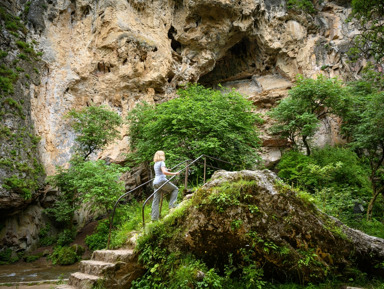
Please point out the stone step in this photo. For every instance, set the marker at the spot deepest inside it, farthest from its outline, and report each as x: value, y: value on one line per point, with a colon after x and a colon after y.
x: 65, y: 286
x: 113, y: 256
x: 93, y: 267
x: 82, y: 281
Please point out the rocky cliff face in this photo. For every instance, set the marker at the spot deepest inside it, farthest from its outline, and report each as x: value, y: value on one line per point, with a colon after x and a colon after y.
x: 120, y: 52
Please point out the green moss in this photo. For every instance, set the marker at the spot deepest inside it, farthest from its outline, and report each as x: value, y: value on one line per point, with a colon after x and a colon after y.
x: 15, y: 34
x: 5, y: 131
x: 19, y: 69
x: 3, y: 54
x: 22, y: 44
x: 13, y: 103
x: 6, y: 163
x: 23, y: 56
x: 27, y: 7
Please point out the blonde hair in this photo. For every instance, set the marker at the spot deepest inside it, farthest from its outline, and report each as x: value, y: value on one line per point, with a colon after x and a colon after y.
x: 159, y: 156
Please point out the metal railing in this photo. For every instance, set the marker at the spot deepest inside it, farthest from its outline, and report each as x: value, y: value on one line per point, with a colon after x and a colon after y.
x: 186, y: 168
x: 126, y: 194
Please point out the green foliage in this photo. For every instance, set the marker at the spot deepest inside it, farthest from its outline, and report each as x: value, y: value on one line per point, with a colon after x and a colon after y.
x: 90, y: 181
x: 327, y: 167
x: 6, y: 257
x: 362, y: 123
x: 66, y: 237
x: 7, y: 78
x: 298, y: 115
x: 32, y: 258
x: 98, y: 183
x: 200, y: 121
x: 370, y: 43
x: 65, y: 255
x: 21, y: 186
x: 95, y: 126
x: 303, y: 5
x: 98, y: 240
x: 45, y: 236
x: 336, y: 177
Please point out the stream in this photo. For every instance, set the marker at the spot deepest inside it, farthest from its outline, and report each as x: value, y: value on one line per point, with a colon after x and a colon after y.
x: 31, y: 272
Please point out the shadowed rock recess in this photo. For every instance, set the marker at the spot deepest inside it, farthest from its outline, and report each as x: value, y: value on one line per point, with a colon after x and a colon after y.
x: 251, y: 217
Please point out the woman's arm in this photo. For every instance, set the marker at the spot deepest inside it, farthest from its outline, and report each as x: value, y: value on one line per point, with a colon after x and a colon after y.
x: 165, y: 172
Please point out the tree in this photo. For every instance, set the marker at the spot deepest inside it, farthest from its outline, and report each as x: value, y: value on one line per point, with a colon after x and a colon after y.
x: 299, y: 114
x: 94, y: 182
x: 366, y: 131
x: 95, y: 126
x: 200, y: 121
x: 370, y: 16
x: 89, y: 181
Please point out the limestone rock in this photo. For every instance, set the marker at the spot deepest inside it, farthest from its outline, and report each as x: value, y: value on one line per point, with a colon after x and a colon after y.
x: 121, y: 52
x: 247, y: 214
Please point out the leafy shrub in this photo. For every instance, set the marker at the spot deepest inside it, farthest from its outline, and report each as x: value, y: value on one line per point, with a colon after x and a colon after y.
x: 66, y: 237
x: 304, y: 5
x: 32, y: 258
x: 45, y: 236
x: 326, y: 167
x: 99, y: 239
x: 353, y: 172
x: 7, y: 257
x: 65, y: 255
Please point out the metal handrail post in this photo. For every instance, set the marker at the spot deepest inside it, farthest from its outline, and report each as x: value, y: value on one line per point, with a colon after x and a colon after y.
x: 205, y: 168
x: 186, y: 178
x: 115, y: 206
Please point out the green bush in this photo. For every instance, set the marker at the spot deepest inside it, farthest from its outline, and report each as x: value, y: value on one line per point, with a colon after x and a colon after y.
x: 99, y: 239
x: 65, y: 255
x: 200, y: 121
x: 327, y: 167
x: 6, y: 257
x: 45, y: 236
x: 304, y: 5
x: 336, y: 177
x: 66, y: 237
x: 32, y: 258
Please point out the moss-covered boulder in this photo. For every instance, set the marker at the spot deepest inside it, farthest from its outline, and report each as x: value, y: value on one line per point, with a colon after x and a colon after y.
x: 249, y: 226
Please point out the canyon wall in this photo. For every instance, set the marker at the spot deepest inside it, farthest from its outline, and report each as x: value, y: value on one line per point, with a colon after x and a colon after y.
x: 121, y: 52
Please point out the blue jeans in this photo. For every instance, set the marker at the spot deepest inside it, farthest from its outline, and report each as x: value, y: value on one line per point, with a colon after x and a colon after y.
x: 167, y: 188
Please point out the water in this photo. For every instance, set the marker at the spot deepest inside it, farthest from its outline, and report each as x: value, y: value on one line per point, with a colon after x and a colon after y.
x: 29, y: 272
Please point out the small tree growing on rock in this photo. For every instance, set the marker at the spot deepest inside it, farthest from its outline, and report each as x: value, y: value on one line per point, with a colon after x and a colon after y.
x: 89, y: 181
x: 95, y: 126
x: 299, y: 115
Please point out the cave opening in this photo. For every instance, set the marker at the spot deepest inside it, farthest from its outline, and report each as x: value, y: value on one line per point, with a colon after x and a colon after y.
x: 176, y: 45
x: 241, y: 61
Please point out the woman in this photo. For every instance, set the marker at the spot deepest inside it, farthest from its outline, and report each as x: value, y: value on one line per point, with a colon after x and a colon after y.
x: 160, y: 173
